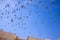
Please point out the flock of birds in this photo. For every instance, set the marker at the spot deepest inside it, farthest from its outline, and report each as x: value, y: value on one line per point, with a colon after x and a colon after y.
x: 13, y: 12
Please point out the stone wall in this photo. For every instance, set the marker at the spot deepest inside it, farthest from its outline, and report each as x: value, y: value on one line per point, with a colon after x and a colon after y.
x: 10, y: 36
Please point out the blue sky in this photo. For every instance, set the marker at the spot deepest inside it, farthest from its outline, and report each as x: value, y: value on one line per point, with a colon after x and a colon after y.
x: 36, y: 18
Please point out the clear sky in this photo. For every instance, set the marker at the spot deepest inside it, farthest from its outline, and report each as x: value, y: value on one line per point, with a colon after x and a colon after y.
x: 36, y: 18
